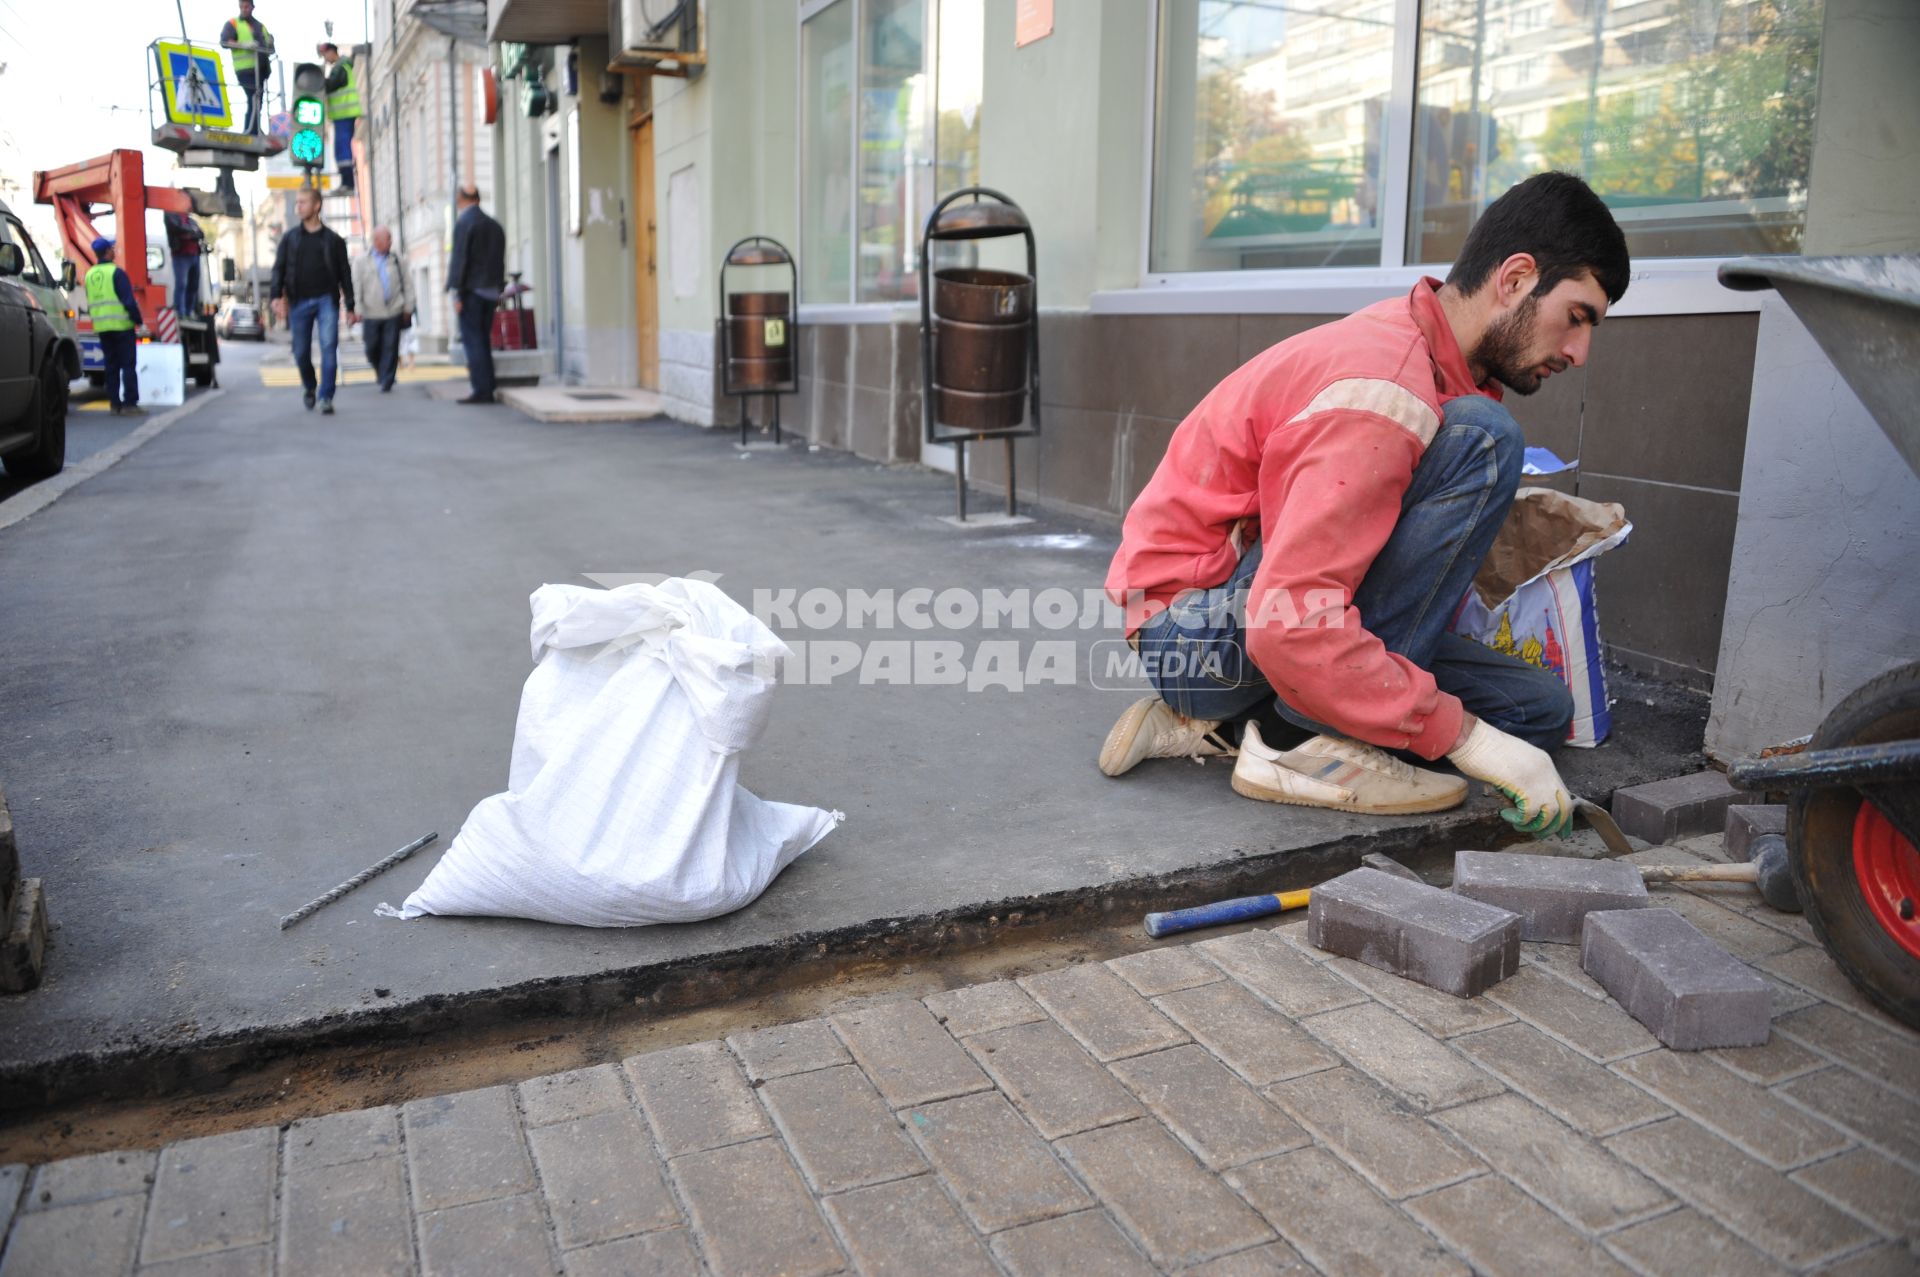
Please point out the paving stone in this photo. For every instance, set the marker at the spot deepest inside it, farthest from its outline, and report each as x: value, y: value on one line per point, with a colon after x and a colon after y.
x: 1153, y: 972
x: 75, y: 1241
x: 1869, y: 1112
x: 663, y: 1254
x: 1447, y: 942
x: 505, y: 1235
x: 1103, y: 1011
x: 13, y: 1182
x: 1791, y: 924
x: 840, y: 1130
x: 1781, y: 1058
x: 1561, y: 1080
x: 1504, y: 1232
x: 752, y: 1213
x: 1421, y: 1071
x: 601, y: 1178
x: 1398, y: 1151
x: 346, y: 1219
x: 1664, y: 811
x: 1552, y: 894
x: 1759, y: 1122
x: 1687, y: 1242
x: 211, y: 1194
x: 248, y: 1261
x: 1882, y: 1192
x: 1440, y: 1014
x: 1085, y: 1243
x: 789, y: 1048
x: 899, y: 1228
x: 1275, y: 1259
x: 85, y: 1179
x: 1279, y: 972
x: 566, y: 1097
x: 1154, y: 1187
x: 1257, y: 1042
x: 1563, y: 962
x: 1731, y: 930
x: 1060, y: 1088
x: 1813, y: 971
x: 907, y: 1054
x: 1218, y: 1116
x: 465, y: 1148
x: 1688, y: 990
x: 1740, y: 1192
x: 1747, y: 821
x: 695, y: 1098
x: 1570, y: 1173
x: 1894, y: 1260
x: 999, y: 1170
x: 338, y: 1138
x: 1890, y: 1057
x: 1599, y: 1030
x: 980, y: 1007
x: 1337, y: 1223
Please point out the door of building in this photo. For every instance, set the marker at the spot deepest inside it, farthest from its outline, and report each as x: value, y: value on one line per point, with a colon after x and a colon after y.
x: 646, y: 287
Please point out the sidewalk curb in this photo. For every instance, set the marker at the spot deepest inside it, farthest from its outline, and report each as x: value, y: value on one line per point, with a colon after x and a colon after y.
x: 45, y: 493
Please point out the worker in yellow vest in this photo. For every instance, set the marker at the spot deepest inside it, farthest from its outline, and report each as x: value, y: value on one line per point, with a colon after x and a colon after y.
x: 343, y: 108
x: 252, y: 46
x: 115, y: 313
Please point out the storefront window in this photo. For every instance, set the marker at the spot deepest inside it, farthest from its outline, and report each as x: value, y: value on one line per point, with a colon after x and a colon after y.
x: 896, y: 145
x: 826, y: 236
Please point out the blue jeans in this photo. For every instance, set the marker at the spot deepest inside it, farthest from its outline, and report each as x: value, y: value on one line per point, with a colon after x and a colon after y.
x: 186, y: 286
x: 123, y: 374
x: 1449, y: 517
x: 300, y: 318
x: 343, y: 151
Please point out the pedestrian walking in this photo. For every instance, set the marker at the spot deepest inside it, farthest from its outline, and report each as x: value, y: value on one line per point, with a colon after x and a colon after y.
x: 115, y: 313
x: 252, y: 47
x: 343, y: 108
x: 311, y: 282
x: 386, y: 305
x: 475, y: 276
x: 185, y: 245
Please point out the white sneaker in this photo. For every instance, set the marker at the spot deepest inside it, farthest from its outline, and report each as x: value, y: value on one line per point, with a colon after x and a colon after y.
x: 1332, y: 771
x: 1151, y: 729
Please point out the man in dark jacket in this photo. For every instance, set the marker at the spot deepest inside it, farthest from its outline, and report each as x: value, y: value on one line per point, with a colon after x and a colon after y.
x: 475, y: 276
x: 310, y: 278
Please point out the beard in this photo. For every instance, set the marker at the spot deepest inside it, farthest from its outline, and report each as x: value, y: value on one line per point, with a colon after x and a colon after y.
x: 1503, y: 349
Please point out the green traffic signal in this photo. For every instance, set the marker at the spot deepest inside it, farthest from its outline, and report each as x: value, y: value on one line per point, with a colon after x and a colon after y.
x: 308, y: 148
x: 311, y: 112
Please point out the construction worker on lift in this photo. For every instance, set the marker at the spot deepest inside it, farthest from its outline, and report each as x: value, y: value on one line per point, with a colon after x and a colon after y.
x: 115, y: 314
x: 252, y: 46
x: 343, y: 108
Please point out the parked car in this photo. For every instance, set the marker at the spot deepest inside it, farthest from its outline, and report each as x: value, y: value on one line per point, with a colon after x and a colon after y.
x: 38, y: 356
x: 238, y: 321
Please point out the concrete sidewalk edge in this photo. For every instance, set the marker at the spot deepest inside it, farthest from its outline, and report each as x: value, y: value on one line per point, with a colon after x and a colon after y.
x: 43, y: 494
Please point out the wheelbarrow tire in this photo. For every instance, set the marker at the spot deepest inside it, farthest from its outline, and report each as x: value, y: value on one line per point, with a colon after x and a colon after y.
x: 1820, y: 848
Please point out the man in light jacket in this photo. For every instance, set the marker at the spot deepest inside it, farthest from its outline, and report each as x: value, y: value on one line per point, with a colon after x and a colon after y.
x: 386, y: 303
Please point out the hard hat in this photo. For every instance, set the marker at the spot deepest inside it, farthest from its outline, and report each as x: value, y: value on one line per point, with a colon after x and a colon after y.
x: 102, y: 244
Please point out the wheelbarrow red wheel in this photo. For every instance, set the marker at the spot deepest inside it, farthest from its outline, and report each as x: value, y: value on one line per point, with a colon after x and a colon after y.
x: 1858, y: 877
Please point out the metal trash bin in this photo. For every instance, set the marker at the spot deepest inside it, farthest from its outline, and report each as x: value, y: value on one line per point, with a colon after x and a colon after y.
x: 758, y: 336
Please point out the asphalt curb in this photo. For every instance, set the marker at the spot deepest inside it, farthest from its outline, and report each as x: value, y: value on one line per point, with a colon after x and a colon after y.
x: 22, y: 505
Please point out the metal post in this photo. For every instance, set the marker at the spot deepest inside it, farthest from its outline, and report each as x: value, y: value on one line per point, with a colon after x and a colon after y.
x: 960, y: 475
x: 253, y: 258
x: 1009, y: 442
x: 776, y: 419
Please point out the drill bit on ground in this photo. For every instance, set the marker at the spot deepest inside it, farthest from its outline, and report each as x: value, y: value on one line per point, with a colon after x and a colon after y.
x: 370, y: 872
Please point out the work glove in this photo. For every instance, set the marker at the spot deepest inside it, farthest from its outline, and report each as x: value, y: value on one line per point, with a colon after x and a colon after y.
x: 1541, y: 804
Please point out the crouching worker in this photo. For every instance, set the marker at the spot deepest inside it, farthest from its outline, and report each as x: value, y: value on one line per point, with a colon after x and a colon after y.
x: 1302, y: 546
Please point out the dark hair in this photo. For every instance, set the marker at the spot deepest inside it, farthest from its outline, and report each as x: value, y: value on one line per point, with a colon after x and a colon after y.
x: 1557, y: 219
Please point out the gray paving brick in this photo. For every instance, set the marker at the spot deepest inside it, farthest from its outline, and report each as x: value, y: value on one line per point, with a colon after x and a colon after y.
x: 1599, y: 1030
x: 1780, y: 1059
x: 248, y: 1261
x: 346, y: 1219
x: 1275, y: 1259
x: 980, y: 1007
x: 1218, y: 1116
x: 663, y: 1254
x: 1895, y: 1260
x: 565, y: 1097
x: 1159, y: 1193
x: 1280, y: 973
x: 87, y: 1179
x: 789, y: 1048
x: 1448, y: 942
x: 1102, y: 1011
x: 1740, y: 1192
x: 1890, y: 1057
x: 1505, y: 1233
x: 840, y: 1130
x: 1563, y: 960
x: 483, y: 1239
x: 1440, y: 1014
x: 1690, y: 992
x: 1257, y: 1042
x: 1731, y: 930
x: 1748, y: 821
x: 752, y: 1213
x: 1756, y: 910
x: 465, y: 1148
x: 1153, y: 972
x: 1882, y: 1192
x: 1813, y: 970
x: 1421, y: 1071
x: 1561, y: 1080
x: 999, y: 1170
x: 1664, y: 811
x: 1085, y: 1243
x: 908, y: 1054
x: 75, y: 1241
x: 601, y: 1178
x: 1869, y: 1112
x: 1398, y: 1151
x: 1336, y: 1222
x: 1685, y: 1242
x: 695, y: 1098
x: 1564, y: 1169
x: 1552, y: 894
x: 338, y: 1138
x: 1052, y: 1079
x: 211, y: 1194
x: 898, y: 1229
x: 1765, y: 1126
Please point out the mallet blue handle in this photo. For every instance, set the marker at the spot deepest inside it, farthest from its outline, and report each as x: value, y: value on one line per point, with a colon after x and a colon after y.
x: 1221, y: 912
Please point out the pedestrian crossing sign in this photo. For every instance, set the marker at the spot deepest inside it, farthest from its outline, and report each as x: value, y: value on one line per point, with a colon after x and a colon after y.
x: 193, y: 85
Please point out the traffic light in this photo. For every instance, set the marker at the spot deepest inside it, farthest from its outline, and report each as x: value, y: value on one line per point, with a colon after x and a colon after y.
x: 308, y: 145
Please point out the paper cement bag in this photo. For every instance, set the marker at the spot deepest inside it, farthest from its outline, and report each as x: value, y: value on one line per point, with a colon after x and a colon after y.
x: 1533, y: 598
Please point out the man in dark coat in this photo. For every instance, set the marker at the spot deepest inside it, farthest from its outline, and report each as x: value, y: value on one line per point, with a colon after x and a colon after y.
x: 475, y: 276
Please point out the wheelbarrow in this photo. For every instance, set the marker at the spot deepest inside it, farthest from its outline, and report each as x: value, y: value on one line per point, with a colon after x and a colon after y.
x: 1853, y: 818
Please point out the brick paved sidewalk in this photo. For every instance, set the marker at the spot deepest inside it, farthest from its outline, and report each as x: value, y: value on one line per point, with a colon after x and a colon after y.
x: 1240, y: 1105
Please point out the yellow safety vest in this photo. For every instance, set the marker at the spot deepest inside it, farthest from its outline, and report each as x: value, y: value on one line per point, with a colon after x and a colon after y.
x: 103, y: 304
x: 344, y: 103
x: 250, y: 35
